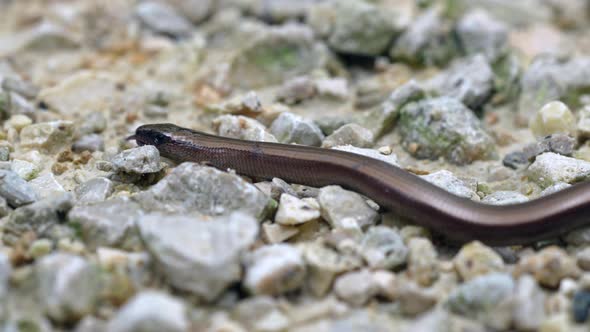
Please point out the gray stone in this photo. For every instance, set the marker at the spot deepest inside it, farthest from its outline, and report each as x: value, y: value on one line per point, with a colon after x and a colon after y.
x: 20, y: 86
x: 50, y: 136
x: 296, y: 90
x: 242, y: 127
x: 292, y: 128
x: 559, y: 143
x: 529, y: 301
x: 15, y: 190
x: 583, y: 126
x: 470, y: 81
x: 335, y: 87
x: 69, y: 286
x: 194, y: 10
x: 162, y: 18
x: 478, y: 32
x: 45, y: 185
x: 91, y: 324
x: 274, y: 269
x: 505, y: 198
x: 355, y: 287
x: 444, y: 127
x: 141, y: 160
x: 93, y: 123
x: 92, y: 142
x: 354, y: 26
x: 39, y: 217
x: 550, y: 168
x: 5, y: 271
x: 191, y: 187
x: 94, y: 190
x: 555, y: 188
x: 151, y: 311
x: 383, y: 248
x: 428, y: 40
x: 341, y: 207
x: 261, y: 313
x: 294, y: 211
x: 449, y: 182
x: 199, y: 254
x: 371, y: 153
x: 107, y: 223
x: 486, y: 299
x: 4, y: 208
x: 349, y: 134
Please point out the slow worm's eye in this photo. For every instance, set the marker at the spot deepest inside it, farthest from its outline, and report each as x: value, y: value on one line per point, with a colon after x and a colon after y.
x: 159, y: 138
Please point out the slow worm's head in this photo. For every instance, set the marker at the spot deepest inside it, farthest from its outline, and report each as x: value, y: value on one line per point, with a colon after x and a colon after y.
x: 154, y: 134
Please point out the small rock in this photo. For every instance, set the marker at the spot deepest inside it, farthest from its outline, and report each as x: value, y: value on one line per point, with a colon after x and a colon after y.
x: 294, y: 211
x: 194, y: 10
x: 355, y: 287
x: 581, y: 306
x: 292, y: 128
x: 141, y: 160
x: 15, y: 190
x: 476, y: 259
x: 155, y: 111
x: 24, y: 169
x: 352, y: 134
x: 91, y: 142
x: 550, y: 168
x: 415, y: 300
x: 200, y: 255
x: 332, y: 87
x: 371, y: 153
x: 150, y: 311
x: 93, y: 123
x: 51, y: 136
x: 242, y: 127
x: 296, y: 90
x: 505, y: 198
x: 191, y: 187
x: 486, y: 299
x: 559, y: 143
x: 69, y: 286
x: 19, y: 121
x: 274, y: 269
x: 478, y: 32
x: 583, y: 125
x: 276, y: 233
x: 470, y: 81
x: 40, y: 248
x: 45, y: 185
x: 549, y: 266
x: 444, y: 127
x: 4, y: 153
x: 279, y: 187
x: 248, y: 104
x: 22, y: 87
x: 163, y: 18
x: 578, y: 237
x: 422, y: 262
x: 553, y: 118
x: 355, y: 27
x: 583, y: 258
x: 337, y: 204
x: 4, y: 208
x: 94, y: 190
x: 449, y: 182
x: 529, y: 300
x: 108, y: 223
x: 5, y: 271
x: 382, y: 247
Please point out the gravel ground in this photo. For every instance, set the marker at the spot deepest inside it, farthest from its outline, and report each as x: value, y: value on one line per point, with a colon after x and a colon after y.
x: 487, y: 99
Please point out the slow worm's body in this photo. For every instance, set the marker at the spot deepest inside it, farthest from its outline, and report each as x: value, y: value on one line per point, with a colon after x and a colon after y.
x: 391, y: 187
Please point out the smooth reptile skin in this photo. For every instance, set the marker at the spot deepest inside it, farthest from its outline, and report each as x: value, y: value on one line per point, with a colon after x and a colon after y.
x: 393, y: 188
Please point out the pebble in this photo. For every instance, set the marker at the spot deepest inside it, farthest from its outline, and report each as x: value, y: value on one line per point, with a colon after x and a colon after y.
x: 449, y: 182
x: 19, y: 121
x: 151, y: 311
x: 5, y: 271
x: 583, y: 125
x: 277, y: 233
x: 476, y: 259
x: 550, y: 168
x: 91, y: 142
x: 292, y: 128
x: 581, y: 306
x: 94, y: 190
x: 335, y: 87
x: 486, y: 299
x: 93, y: 123
x: 479, y: 32
x: 529, y: 300
x: 24, y: 169
x: 200, y: 255
x: 371, y: 153
x: 277, y: 188
x: 141, y: 160
x: 382, y: 247
x: 548, y: 266
x: 583, y: 259
x: 69, y: 286
x: 355, y: 287
x: 338, y: 205
x: 553, y: 118
x: 415, y: 300
x: 15, y: 190
x: 469, y: 80
x: 4, y: 208
x: 559, y: 143
x: 274, y: 269
x: 294, y: 211
x: 106, y: 223
x: 50, y: 136
x: 444, y: 127
x: 422, y: 262
x: 163, y: 18
x: 349, y: 134
x: 191, y: 187
x: 22, y: 87
x: 505, y: 197
x: 261, y: 313
x: 194, y: 10
x: 40, y: 248
x: 242, y: 127
x: 296, y: 90
x: 45, y: 185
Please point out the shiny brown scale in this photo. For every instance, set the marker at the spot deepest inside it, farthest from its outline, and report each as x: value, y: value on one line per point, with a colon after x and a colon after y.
x: 393, y: 188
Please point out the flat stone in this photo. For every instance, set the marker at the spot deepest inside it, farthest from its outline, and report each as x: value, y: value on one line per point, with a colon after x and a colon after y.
x: 51, y: 136
x: 141, y: 160
x: 550, y: 168
x: 382, y: 247
x: 292, y: 128
x: 337, y: 204
x: 449, y: 182
x: 242, y: 127
x: 163, y: 18
x: 94, y: 190
x: 355, y: 287
x: 294, y: 211
x: 15, y: 190
x: 476, y: 259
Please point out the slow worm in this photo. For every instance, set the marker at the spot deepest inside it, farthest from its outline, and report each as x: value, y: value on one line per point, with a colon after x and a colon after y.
x: 405, y: 194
